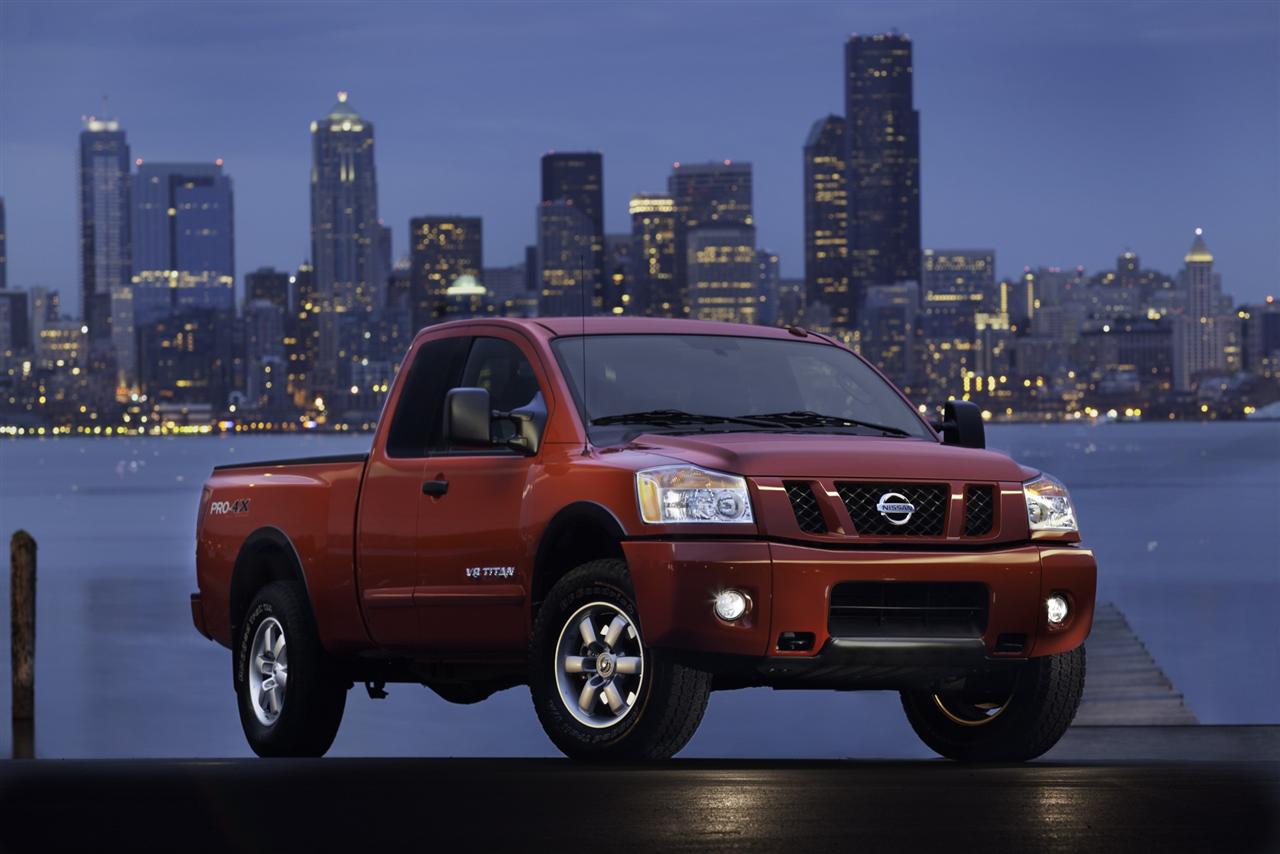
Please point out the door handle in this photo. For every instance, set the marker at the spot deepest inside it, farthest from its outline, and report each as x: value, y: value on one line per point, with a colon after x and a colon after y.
x: 435, y: 488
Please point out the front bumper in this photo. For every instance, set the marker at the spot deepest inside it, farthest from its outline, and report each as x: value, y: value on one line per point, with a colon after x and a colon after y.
x: 790, y: 588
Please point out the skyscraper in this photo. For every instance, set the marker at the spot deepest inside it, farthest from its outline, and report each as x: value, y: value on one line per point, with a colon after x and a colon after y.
x: 826, y: 220
x: 882, y: 138
x: 577, y: 178
x: 344, y: 230
x: 4, y: 245
x: 15, y: 324
x: 184, y: 235
x: 653, y: 252
x: 619, y: 275
x: 955, y: 286
x: 266, y: 369
x: 104, y: 221
x: 1200, y: 335
x: 768, y: 281
x: 442, y: 250
x: 565, y: 240
x: 270, y: 284
x: 723, y: 274
x: 302, y: 339
x: 708, y: 195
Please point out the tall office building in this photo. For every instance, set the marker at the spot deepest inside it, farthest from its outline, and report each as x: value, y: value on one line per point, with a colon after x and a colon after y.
x: 882, y: 138
x: 265, y: 357
x: 302, y: 339
x: 887, y: 326
x: 723, y: 274
x: 826, y: 221
x: 768, y: 283
x: 270, y: 284
x: 1200, y: 335
x: 575, y: 178
x: 344, y: 232
x: 707, y: 195
x: 104, y: 221
x: 4, y: 246
x: 183, y: 253
x: 382, y: 264
x: 442, y: 249
x: 565, y: 240
x: 653, y: 254
x: 955, y: 286
x: 619, y: 275
x: 15, y: 325
x: 187, y: 359
x: 184, y: 236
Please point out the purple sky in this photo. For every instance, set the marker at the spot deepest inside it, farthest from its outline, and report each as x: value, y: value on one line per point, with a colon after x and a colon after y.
x: 1057, y: 134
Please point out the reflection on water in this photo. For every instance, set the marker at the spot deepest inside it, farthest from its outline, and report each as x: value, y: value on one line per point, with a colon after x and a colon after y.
x: 1182, y: 516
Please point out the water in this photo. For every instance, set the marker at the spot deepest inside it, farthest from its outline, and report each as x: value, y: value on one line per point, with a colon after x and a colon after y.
x: 1183, y: 518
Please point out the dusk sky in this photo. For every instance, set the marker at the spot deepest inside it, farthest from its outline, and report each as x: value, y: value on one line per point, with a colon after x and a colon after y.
x: 1055, y: 134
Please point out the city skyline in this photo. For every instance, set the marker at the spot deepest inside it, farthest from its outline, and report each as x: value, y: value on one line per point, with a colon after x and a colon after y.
x: 1235, y: 214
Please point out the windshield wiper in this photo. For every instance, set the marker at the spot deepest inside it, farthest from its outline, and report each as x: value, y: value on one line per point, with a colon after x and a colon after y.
x: 804, y: 418
x: 674, y: 417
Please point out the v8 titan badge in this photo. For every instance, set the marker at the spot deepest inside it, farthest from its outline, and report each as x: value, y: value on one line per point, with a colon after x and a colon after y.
x: 477, y: 572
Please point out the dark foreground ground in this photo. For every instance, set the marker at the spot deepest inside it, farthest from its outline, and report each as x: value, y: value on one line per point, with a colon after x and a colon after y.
x: 505, y: 805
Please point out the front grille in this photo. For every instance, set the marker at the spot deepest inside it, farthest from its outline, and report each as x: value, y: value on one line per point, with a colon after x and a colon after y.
x: 928, y: 520
x: 902, y: 609
x: 979, y: 511
x: 805, y: 506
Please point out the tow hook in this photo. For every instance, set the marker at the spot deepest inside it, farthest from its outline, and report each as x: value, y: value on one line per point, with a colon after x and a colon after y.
x: 377, y: 690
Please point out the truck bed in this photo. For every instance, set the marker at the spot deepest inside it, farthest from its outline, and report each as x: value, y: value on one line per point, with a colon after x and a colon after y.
x: 305, y: 506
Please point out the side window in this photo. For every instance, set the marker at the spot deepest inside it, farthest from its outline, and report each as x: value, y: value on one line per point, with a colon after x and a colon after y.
x: 498, y: 366
x: 419, y: 416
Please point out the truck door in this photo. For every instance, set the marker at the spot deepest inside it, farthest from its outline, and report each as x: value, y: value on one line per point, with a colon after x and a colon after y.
x: 477, y: 568
x: 389, y: 547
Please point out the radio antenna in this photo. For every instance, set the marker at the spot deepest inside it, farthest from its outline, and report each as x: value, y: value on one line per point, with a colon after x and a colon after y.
x: 586, y: 417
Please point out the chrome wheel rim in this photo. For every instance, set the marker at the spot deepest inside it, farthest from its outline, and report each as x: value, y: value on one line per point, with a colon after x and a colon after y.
x: 969, y: 714
x: 268, y: 671
x: 599, y: 665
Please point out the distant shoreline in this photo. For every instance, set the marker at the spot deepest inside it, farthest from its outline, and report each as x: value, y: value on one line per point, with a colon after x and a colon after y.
x: 296, y: 434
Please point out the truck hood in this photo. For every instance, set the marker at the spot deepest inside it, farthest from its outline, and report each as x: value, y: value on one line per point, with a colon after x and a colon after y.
x: 811, y: 455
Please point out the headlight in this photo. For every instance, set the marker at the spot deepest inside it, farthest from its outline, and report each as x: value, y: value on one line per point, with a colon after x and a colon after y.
x: 1048, y: 505
x: 673, y: 494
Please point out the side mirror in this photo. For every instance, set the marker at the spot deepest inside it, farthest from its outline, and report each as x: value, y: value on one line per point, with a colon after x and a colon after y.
x: 467, y: 417
x: 962, y: 425
x: 530, y: 420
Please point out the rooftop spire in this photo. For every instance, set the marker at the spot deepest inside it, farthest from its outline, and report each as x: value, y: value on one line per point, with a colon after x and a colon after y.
x: 1199, y: 252
x: 342, y: 109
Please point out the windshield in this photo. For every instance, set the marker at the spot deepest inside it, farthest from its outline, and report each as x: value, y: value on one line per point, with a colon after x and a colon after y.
x: 703, y: 383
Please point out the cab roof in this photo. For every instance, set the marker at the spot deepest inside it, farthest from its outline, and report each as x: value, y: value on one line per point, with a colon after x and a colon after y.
x: 556, y: 327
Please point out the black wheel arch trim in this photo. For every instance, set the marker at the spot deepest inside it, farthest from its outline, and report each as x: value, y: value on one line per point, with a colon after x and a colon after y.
x: 569, y: 515
x: 264, y: 538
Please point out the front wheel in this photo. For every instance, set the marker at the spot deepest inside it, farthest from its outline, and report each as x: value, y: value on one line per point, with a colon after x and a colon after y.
x: 1013, y: 723
x: 290, y: 700
x: 599, y: 692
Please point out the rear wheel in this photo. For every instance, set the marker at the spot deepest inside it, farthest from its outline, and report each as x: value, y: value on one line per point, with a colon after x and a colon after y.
x: 290, y: 700
x: 599, y: 692
x: 1010, y: 723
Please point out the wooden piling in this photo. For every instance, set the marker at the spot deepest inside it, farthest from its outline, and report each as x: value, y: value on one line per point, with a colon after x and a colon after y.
x: 22, y: 617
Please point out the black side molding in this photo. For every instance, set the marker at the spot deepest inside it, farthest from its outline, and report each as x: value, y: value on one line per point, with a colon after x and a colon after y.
x: 297, y: 461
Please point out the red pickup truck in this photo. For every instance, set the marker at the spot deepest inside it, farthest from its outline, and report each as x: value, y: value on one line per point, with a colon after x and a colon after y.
x: 627, y: 514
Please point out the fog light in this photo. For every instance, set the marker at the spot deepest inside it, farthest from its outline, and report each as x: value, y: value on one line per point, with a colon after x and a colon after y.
x: 1056, y: 607
x: 731, y: 605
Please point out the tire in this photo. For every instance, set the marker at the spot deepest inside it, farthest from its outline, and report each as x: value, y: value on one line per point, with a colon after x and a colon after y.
x: 664, y: 702
x: 309, y: 704
x: 1045, y: 696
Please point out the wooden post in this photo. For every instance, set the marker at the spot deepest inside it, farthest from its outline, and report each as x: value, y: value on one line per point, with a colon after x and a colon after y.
x: 22, y: 617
